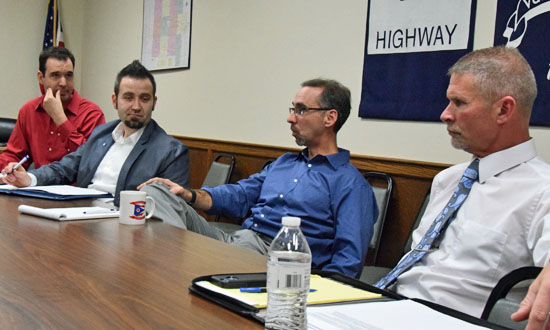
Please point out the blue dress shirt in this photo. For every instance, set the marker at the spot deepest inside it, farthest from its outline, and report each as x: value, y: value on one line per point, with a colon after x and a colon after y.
x: 334, y: 201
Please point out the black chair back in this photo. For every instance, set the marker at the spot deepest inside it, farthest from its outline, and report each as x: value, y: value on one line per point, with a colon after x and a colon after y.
x: 419, y: 216
x: 6, y: 127
x: 500, y: 305
x: 371, y: 274
x: 382, y: 195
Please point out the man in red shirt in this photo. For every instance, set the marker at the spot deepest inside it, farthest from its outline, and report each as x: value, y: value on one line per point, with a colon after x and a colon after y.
x: 57, y: 123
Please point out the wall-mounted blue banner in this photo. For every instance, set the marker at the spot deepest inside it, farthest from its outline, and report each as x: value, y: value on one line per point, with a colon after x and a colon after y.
x: 410, y: 45
x: 524, y: 24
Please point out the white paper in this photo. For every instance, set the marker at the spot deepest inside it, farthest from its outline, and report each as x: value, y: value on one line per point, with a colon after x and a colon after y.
x: 70, y: 213
x: 212, y: 287
x: 387, y: 315
x: 66, y: 190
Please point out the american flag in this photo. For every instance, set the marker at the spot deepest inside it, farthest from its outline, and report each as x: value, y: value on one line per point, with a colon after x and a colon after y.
x: 53, y: 32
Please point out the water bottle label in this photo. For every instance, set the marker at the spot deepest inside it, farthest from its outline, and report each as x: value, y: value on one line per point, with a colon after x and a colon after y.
x: 290, y: 275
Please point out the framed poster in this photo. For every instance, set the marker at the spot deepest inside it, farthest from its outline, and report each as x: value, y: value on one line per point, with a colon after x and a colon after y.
x: 166, y: 39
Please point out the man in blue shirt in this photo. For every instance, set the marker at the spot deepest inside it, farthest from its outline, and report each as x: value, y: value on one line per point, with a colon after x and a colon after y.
x: 319, y: 185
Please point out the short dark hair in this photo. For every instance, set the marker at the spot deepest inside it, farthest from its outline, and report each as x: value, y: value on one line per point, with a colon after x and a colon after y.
x: 59, y: 53
x: 334, y: 96
x: 135, y: 70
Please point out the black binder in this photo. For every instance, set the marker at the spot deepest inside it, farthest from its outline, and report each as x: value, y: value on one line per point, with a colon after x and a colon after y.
x: 257, y: 314
x: 47, y: 195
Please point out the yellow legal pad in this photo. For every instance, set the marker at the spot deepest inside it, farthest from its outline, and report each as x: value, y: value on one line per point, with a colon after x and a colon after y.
x: 327, y: 291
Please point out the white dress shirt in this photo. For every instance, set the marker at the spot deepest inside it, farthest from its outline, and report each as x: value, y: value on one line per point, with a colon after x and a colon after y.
x: 504, y: 224
x: 106, y: 175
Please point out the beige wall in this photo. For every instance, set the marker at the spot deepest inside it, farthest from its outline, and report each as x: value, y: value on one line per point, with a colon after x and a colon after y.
x: 20, y: 46
x: 21, y: 34
x: 247, y: 60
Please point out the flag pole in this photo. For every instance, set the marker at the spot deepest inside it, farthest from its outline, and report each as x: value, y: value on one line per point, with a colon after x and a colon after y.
x: 54, y: 42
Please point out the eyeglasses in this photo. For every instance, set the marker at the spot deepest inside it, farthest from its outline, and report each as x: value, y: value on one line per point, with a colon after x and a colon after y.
x: 300, y: 110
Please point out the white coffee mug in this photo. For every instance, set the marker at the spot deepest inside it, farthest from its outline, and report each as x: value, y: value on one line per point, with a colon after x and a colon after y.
x: 132, y: 207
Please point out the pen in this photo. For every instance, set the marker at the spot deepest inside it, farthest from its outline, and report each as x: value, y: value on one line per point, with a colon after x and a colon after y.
x: 261, y: 290
x: 23, y: 160
x: 101, y: 211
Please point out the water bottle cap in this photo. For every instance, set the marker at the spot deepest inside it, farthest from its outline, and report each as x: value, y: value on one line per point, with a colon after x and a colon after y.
x: 291, y: 221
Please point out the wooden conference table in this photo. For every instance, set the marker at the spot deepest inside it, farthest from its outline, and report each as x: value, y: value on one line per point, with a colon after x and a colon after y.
x: 97, y: 274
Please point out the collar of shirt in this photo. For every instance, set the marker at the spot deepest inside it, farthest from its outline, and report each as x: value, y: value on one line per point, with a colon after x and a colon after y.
x: 72, y: 107
x: 335, y: 160
x: 503, y: 160
x: 118, y: 135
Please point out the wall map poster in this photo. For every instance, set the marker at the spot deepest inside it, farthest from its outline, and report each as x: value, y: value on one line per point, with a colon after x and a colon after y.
x: 166, y: 37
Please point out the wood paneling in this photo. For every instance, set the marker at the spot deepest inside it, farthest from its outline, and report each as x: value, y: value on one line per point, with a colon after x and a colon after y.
x: 411, y: 181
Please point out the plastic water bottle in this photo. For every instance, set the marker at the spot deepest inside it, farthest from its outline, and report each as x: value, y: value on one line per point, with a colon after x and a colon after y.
x: 288, y: 270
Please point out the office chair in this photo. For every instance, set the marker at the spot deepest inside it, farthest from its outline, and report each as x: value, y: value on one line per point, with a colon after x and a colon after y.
x: 231, y: 227
x: 371, y: 274
x: 507, y: 295
x: 382, y: 196
x: 6, y: 127
x: 219, y: 173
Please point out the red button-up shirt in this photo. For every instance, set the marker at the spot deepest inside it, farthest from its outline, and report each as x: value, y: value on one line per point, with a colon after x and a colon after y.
x: 35, y: 133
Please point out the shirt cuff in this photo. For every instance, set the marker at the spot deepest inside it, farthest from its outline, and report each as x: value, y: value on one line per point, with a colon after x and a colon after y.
x: 65, y: 129
x: 212, y: 192
x: 34, y: 181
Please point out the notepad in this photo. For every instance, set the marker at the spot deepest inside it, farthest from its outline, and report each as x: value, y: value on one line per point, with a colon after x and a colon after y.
x: 327, y: 291
x: 70, y: 213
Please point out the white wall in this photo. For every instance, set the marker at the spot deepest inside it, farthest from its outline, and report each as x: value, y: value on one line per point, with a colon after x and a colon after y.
x: 248, y: 58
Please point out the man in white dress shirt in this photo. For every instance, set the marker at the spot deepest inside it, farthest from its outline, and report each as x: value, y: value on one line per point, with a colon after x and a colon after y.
x: 503, y: 224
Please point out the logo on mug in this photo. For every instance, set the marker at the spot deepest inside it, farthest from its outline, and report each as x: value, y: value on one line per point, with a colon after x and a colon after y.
x: 139, y: 210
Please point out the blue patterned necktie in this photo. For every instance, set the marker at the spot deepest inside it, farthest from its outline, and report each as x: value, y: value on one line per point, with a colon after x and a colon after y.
x: 437, y: 227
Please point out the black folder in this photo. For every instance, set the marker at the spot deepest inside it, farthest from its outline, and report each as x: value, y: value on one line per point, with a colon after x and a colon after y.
x: 48, y: 195
x: 257, y: 314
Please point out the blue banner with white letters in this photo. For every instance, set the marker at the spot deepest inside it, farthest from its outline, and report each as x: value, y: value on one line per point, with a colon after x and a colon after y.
x: 410, y: 45
x: 524, y: 24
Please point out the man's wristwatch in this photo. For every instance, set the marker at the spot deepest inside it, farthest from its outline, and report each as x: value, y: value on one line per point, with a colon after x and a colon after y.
x: 193, y: 197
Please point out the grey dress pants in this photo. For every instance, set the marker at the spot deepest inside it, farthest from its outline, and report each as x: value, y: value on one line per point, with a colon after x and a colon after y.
x: 175, y: 211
